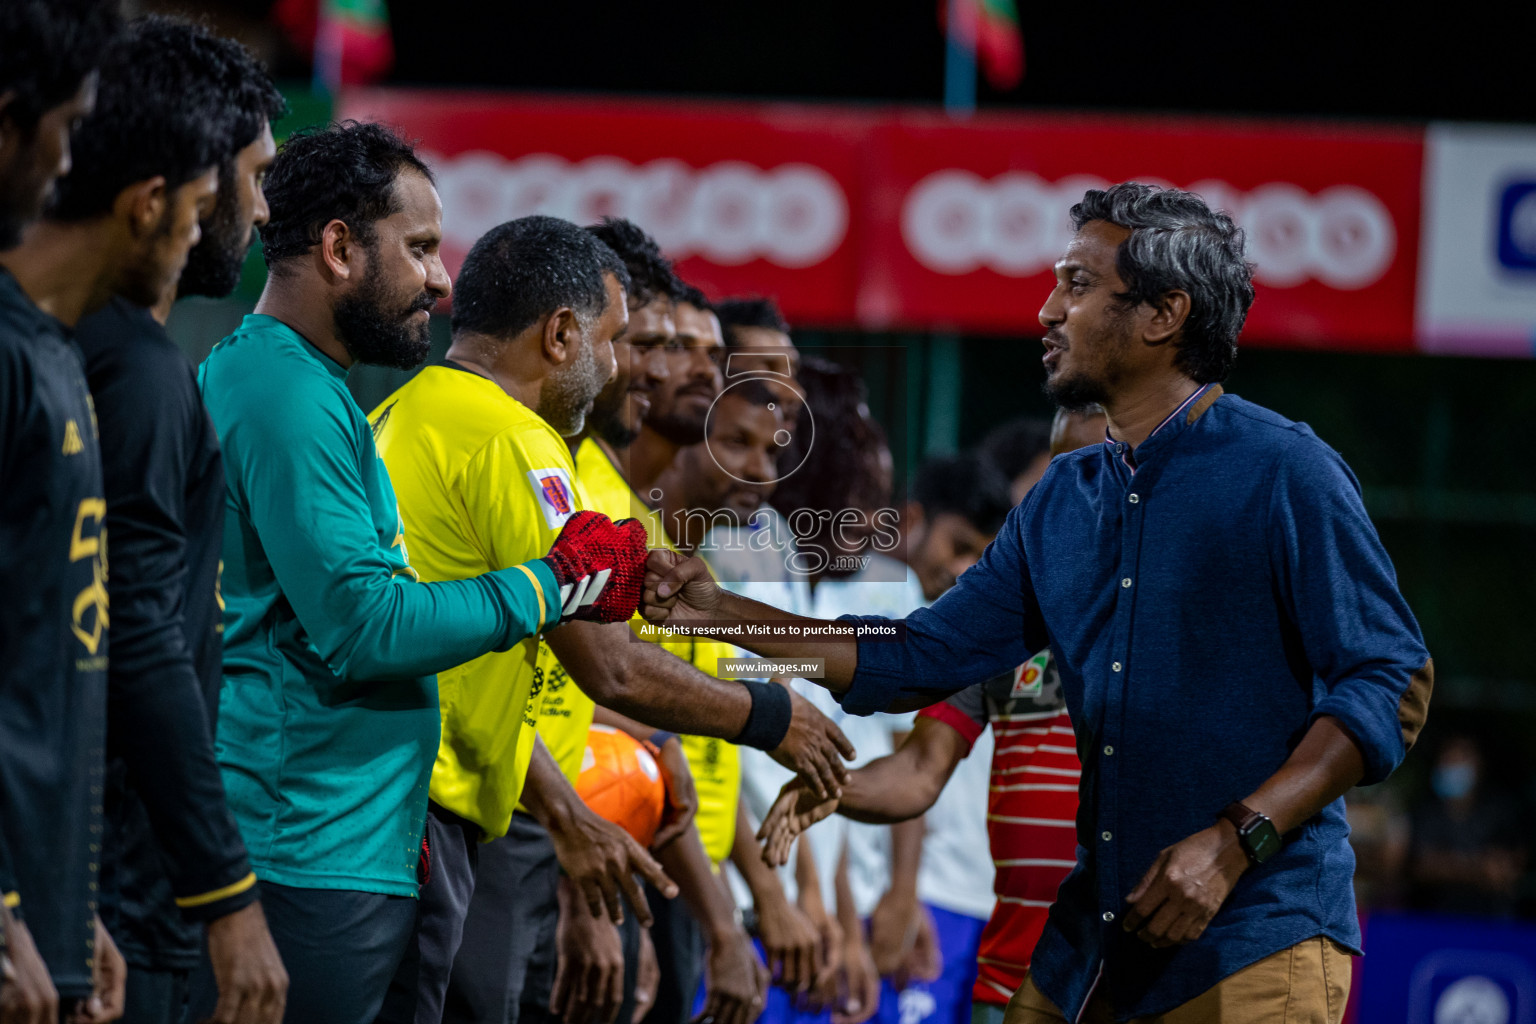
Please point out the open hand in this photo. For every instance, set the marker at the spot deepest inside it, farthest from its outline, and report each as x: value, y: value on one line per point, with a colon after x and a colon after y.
x: 601, y: 860
x: 814, y: 748
x: 796, y: 809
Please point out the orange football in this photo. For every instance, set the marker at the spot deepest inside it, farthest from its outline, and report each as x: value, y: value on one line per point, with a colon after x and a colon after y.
x: 621, y: 782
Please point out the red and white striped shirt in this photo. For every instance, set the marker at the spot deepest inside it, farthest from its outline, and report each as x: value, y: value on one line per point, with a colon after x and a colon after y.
x: 1031, y: 810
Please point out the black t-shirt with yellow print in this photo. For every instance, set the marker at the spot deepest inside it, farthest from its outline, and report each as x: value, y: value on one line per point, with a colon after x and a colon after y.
x: 53, y: 637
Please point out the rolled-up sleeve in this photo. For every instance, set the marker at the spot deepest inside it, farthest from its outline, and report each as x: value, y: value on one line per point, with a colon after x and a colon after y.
x: 1340, y: 590
x: 985, y: 625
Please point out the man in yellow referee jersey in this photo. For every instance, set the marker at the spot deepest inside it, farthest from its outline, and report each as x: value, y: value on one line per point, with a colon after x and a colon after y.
x: 474, y: 449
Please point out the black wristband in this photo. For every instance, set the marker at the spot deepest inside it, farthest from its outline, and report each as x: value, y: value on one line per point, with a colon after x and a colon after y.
x: 768, y: 721
x: 658, y: 739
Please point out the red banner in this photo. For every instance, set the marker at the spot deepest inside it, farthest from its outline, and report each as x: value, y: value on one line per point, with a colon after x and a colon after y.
x: 883, y: 218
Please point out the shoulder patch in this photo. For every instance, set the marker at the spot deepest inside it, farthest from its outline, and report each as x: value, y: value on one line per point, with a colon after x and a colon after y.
x: 552, y: 489
x: 1029, y: 678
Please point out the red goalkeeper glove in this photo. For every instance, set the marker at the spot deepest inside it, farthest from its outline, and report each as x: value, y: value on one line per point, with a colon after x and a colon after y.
x: 599, y: 566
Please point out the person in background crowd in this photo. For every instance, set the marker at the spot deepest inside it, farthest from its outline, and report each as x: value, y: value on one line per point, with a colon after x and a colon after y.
x: 1021, y: 450
x: 681, y: 401
x: 173, y: 859
x: 1186, y: 901
x: 758, y: 341
x: 1466, y: 852
x: 331, y: 640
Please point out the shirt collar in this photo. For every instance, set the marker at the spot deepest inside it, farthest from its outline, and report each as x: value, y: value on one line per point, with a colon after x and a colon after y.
x: 1188, y: 411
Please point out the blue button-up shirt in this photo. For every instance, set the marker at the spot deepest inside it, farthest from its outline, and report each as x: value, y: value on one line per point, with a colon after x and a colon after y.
x: 1207, y: 596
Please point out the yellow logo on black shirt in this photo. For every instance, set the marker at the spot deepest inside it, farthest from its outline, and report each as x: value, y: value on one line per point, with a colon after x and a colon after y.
x: 87, y: 627
x: 72, y: 443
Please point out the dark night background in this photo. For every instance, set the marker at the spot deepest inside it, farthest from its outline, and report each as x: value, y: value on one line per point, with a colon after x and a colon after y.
x: 1347, y: 60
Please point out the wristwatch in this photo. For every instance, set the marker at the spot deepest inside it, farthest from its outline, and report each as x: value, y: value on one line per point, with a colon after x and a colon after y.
x: 1255, y: 831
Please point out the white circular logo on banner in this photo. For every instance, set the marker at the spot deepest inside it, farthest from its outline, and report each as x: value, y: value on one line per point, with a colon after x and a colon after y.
x: 1474, y: 1000
x: 794, y: 215
x: 955, y: 222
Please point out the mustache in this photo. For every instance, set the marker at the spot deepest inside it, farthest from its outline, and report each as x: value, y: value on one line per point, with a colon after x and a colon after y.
x: 1055, y: 337
x: 424, y: 303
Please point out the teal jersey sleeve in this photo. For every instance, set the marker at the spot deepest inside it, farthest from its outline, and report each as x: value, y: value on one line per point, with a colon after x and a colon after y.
x: 315, y: 492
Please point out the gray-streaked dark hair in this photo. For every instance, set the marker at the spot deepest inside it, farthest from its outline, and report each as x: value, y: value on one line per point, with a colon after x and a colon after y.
x: 522, y: 271
x: 1178, y: 243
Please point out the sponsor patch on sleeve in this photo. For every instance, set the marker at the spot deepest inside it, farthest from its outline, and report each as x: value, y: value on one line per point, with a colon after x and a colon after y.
x: 1029, y: 678
x: 552, y: 489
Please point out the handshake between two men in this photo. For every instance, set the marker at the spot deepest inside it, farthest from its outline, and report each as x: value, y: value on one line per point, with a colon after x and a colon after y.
x: 606, y: 575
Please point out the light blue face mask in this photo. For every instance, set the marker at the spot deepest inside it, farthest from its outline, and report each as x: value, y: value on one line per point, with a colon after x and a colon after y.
x: 1454, y: 781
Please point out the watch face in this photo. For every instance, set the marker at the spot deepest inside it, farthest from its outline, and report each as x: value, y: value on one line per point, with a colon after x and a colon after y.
x: 1262, y: 841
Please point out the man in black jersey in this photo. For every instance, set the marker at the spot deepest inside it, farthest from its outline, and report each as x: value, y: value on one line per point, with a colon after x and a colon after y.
x: 48, y: 53
x: 122, y: 224
x: 174, y: 859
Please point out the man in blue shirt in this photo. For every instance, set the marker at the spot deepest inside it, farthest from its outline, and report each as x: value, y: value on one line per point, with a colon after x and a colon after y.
x: 1231, y: 640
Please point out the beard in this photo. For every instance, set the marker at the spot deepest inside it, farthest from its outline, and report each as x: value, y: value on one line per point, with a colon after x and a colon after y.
x: 568, y: 394
x: 607, y: 416
x: 17, y: 215
x: 678, y: 428
x: 12, y: 224
x: 379, y: 332
x: 1076, y: 391
x: 214, y: 264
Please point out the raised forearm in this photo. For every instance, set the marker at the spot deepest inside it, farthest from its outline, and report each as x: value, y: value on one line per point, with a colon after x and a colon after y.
x: 643, y: 682
x: 734, y: 617
x: 902, y: 785
x: 1325, y: 765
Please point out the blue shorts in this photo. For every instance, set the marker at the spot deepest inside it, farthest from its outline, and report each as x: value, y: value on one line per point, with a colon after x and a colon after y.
x: 946, y: 1000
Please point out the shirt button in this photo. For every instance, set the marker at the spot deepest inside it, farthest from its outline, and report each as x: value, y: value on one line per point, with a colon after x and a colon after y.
x: 1115, y: 666
x: 1109, y: 916
x: 1133, y: 499
x: 1125, y: 582
x: 1107, y: 836
x: 1108, y: 750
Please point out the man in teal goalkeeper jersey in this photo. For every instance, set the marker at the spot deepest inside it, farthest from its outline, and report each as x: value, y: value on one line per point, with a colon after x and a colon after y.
x: 328, y: 716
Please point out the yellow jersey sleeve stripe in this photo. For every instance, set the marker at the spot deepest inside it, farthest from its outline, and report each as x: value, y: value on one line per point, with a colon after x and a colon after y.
x: 539, y: 590
x: 225, y: 893
x: 12, y: 900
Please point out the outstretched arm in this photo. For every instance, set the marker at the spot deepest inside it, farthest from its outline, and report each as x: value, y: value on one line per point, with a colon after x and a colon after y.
x: 987, y: 623
x: 900, y: 786
x: 643, y: 681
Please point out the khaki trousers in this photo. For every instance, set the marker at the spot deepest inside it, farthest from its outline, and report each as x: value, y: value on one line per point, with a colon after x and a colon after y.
x: 1306, y: 984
